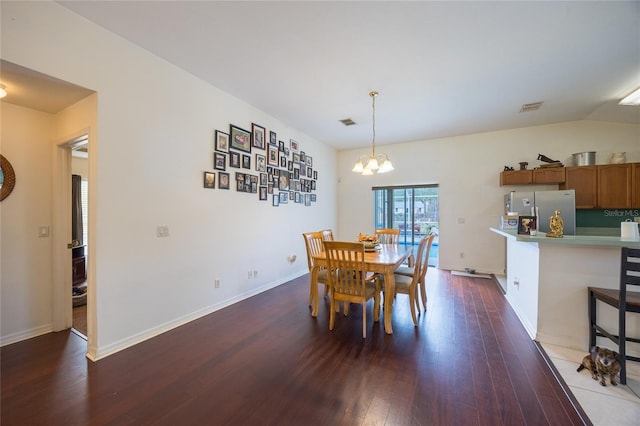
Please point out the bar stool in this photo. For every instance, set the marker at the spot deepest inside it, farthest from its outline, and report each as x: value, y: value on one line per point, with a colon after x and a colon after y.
x: 621, y: 299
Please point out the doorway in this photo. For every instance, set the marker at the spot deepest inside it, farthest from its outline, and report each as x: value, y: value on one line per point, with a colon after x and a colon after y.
x: 79, y: 232
x: 413, y: 210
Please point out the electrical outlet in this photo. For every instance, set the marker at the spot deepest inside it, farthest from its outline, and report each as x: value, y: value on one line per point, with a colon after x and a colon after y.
x: 216, y: 284
x: 162, y: 231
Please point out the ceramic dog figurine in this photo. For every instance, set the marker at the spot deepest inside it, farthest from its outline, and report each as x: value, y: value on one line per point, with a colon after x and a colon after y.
x: 601, y: 361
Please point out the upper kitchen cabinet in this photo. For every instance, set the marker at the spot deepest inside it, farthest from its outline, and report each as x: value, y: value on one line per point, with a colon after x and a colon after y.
x: 535, y: 176
x: 516, y: 177
x: 584, y: 180
x: 549, y: 175
x: 615, y: 186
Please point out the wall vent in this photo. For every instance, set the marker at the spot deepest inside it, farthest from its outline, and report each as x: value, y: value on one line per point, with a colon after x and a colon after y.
x: 531, y: 107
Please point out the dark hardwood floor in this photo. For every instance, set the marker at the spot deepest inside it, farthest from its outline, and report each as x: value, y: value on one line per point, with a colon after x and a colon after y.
x: 266, y: 361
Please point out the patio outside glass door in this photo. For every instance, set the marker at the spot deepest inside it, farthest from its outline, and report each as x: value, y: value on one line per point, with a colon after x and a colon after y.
x: 413, y: 210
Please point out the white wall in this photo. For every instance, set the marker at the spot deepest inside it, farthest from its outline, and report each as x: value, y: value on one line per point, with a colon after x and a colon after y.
x: 467, y: 170
x: 26, y: 258
x: 154, y: 139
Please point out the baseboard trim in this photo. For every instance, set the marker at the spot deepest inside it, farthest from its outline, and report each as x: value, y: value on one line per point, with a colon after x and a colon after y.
x: 26, y: 334
x: 105, y: 351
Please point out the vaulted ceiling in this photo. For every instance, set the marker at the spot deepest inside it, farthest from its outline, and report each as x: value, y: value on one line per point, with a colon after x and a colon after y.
x: 441, y: 68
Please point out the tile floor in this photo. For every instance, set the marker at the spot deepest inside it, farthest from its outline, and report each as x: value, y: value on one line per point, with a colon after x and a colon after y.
x: 605, y: 405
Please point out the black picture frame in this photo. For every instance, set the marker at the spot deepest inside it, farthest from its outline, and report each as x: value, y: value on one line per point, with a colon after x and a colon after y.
x: 221, y: 141
x: 281, y: 146
x: 526, y: 224
x: 283, y: 180
x: 261, y: 163
x: 258, y: 136
x: 272, y: 138
x: 262, y: 193
x: 284, y: 197
x: 209, y: 180
x: 219, y: 161
x: 223, y: 180
x: 246, y: 161
x: 234, y: 159
x: 273, y: 156
x: 239, y: 139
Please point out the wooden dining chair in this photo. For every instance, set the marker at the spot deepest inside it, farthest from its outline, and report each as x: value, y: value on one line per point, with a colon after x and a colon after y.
x: 388, y: 235
x: 327, y: 234
x: 622, y: 300
x: 419, y: 271
x: 408, y: 284
x: 349, y: 280
x: 313, y: 242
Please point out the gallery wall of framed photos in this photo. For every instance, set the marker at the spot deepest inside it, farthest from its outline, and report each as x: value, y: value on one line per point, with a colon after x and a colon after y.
x: 272, y: 169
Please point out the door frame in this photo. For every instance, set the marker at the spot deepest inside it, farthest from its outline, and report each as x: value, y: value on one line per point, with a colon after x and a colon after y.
x: 62, y: 297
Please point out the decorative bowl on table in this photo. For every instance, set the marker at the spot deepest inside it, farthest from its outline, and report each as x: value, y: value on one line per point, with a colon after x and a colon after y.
x: 370, y: 241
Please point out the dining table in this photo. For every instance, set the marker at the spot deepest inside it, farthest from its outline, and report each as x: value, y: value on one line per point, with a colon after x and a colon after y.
x: 384, y: 259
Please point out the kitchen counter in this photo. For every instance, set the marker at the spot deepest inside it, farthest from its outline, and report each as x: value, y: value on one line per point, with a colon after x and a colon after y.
x: 547, y: 280
x: 582, y: 239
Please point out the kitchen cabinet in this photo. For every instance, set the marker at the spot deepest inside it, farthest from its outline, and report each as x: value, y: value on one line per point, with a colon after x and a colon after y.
x: 535, y: 176
x: 584, y: 180
x: 516, y: 177
x: 614, y: 186
x: 549, y: 175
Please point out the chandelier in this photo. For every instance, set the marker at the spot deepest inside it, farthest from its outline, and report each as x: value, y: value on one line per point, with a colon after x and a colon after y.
x: 368, y: 165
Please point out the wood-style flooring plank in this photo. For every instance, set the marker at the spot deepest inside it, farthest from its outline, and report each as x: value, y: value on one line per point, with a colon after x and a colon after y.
x: 266, y: 361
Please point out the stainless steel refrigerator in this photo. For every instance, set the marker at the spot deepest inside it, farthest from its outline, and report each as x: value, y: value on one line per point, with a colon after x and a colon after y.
x: 545, y: 203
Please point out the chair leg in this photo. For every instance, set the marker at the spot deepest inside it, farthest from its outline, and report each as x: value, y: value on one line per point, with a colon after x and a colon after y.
x: 592, y: 320
x: 423, y: 294
x: 364, y: 319
x: 412, y: 302
x: 622, y: 342
x: 332, y: 314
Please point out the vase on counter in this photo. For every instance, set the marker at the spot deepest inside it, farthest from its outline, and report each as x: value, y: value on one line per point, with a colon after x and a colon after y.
x: 617, y: 158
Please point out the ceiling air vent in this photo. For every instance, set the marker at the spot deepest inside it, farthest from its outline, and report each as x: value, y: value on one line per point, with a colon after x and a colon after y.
x: 348, y: 122
x: 531, y: 107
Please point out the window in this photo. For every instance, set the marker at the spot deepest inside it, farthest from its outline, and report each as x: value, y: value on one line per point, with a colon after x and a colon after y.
x: 413, y: 210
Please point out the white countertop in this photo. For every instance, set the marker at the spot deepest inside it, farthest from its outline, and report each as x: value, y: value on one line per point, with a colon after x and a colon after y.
x: 576, y: 240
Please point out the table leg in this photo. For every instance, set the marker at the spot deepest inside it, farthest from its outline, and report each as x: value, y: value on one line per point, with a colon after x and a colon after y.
x: 389, y: 292
x: 314, y: 292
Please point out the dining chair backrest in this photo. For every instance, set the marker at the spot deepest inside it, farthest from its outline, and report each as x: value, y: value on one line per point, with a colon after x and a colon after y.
x: 346, y: 261
x: 327, y: 234
x: 422, y: 262
x: 388, y: 235
x: 313, y: 243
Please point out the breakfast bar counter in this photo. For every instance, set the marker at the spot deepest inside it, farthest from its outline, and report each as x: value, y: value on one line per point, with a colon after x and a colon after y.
x: 547, y: 280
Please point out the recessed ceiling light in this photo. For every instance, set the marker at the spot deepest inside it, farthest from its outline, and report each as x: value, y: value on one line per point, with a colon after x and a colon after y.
x: 348, y: 122
x: 531, y: 107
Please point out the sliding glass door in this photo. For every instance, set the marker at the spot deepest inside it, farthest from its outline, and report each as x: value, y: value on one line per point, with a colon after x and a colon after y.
x: 413, y: 210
